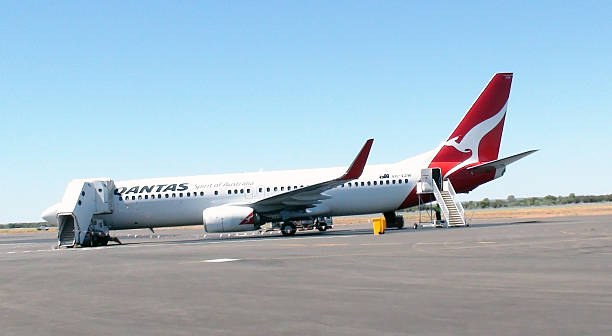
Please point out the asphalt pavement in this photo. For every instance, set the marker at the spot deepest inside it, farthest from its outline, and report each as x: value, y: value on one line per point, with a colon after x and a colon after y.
x: 502, y: 277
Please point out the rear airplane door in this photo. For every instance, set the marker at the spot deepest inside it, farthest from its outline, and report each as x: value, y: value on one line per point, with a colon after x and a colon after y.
x: 436, y: 175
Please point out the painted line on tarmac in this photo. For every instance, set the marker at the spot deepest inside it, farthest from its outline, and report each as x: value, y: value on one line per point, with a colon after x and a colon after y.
x: 220, y: 260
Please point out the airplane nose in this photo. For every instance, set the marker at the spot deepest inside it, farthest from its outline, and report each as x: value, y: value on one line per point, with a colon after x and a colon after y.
x: 50, y: 214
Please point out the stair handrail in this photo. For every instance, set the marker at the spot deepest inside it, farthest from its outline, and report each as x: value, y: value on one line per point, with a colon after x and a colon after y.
x: 441, y: 203
x: 453, y: 194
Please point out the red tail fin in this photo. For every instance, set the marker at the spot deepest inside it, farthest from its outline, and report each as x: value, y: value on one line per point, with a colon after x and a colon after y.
x: 478, y: 135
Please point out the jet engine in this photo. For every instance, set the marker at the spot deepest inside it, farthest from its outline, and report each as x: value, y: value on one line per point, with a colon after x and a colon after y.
x: 230, y: 218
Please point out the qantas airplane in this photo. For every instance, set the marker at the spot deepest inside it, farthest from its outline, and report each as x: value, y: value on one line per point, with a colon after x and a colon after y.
x: 245, y: 201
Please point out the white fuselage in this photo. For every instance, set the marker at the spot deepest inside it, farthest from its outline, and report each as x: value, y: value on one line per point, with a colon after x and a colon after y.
x: 177, y: 201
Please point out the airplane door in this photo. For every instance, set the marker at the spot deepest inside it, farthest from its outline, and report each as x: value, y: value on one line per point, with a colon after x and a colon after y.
x: 436, y: 175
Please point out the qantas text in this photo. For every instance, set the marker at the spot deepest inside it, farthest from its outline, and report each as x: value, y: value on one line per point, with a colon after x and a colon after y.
x: 152, y: 188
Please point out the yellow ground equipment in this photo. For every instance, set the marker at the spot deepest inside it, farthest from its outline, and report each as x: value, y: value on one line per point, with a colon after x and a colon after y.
x: 380, y: 224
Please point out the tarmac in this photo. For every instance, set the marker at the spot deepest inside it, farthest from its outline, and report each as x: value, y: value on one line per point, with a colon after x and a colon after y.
x: 549, y: 276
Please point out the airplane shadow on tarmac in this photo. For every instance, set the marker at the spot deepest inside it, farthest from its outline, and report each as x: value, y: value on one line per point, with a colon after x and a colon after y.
x: 239, y: 237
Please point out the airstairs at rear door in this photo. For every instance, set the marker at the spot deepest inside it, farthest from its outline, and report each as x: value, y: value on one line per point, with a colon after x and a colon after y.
x: 431, y: 183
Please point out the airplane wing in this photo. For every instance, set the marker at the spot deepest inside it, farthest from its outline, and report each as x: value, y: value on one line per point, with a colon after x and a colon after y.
x: 501, y: 163
x: 309, y: 196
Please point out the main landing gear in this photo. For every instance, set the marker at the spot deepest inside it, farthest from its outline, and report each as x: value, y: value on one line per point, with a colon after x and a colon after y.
x: 394, y: 220
x: 288, y: 229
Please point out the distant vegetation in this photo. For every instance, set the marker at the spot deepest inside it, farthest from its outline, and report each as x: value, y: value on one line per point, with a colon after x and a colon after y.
x: 512, y: 201
x: 24, y: 225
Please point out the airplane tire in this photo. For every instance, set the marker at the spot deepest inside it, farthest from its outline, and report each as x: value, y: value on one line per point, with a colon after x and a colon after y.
x: 288, y: 229
x: 322, y: 227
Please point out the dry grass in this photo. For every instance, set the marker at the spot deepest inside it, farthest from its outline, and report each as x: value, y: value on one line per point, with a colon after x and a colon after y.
x: 25, y: 230
x: 595, y: 209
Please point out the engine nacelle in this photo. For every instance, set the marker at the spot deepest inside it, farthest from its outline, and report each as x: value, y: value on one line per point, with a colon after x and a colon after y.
x: 230, y: 218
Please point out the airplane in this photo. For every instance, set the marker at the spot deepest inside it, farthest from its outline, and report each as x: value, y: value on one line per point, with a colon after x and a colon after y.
x: 244, y: 201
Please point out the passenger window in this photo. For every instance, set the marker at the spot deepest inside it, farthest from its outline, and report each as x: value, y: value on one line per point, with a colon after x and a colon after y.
x: 216, y: 192
x: 387, y: 181
x: 406, y: 181
x: 349, y: 184
x: 282, y: 188
x: 173, y: 195
x: 375, y: 183
x: 248, y: 191
x: 120, y: 198
x: 368, y: 182
x: 242, y: 191
x: 362, y: 184
x: 139, y: 197
x: 189, y: 195
x: 166, y: 195
x: 235, y: 191
x: 229, y: 192
x: 202, y: 193
x: 260, y: 189
x: 268, y: 189
x: 133, y: 198
x: 289, y: 188
x: 399, y: 181
x: 152, y: 196
x: 158, y: 195
x: 275, y: 188
x: 301, y: 186
x: 146, y: 196
x: 180, y: 194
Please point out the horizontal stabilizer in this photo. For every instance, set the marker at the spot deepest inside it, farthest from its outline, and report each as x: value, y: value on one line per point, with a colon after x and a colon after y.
x: 501, y: 163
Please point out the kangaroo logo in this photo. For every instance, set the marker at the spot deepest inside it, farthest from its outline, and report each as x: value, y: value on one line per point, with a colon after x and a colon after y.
x: 470, y: 142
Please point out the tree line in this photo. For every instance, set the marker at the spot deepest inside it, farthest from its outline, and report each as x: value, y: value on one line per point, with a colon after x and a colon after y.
x: 512, y: 201
x: 25, y: 225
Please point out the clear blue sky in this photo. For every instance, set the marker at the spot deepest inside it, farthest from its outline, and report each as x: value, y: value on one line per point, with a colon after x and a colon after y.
x: 151, y: 89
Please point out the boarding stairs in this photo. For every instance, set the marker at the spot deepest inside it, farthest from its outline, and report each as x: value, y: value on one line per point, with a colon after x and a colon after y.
x: 82, y: 210
x: 455, y: 213
x: 451, y: 209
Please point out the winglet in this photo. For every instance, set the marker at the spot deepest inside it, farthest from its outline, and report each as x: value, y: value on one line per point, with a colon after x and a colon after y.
x: 356, y: 168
